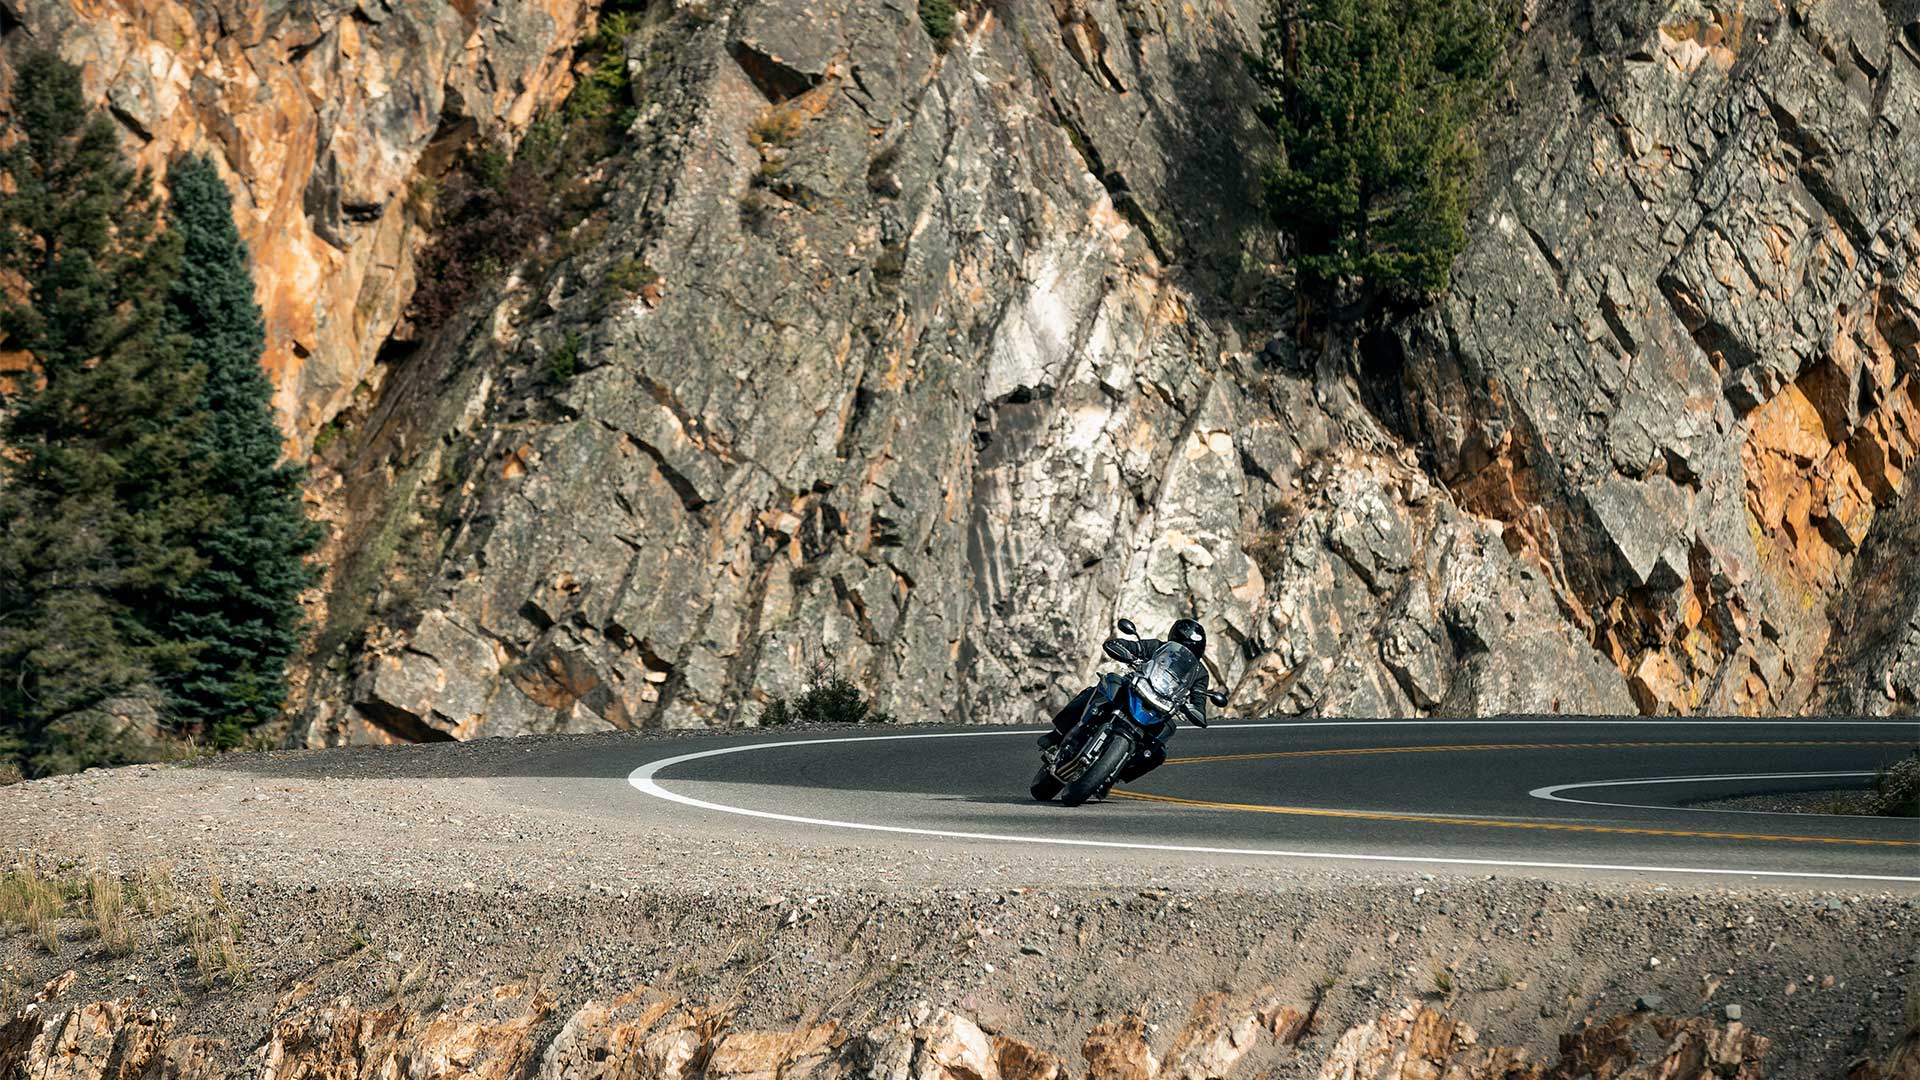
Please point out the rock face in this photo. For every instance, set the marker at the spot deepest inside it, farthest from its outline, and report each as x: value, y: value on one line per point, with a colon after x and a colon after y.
x: 929, y: 387
x: 958, y: 364
x: 946, y: 356
x: 319, y: 117
x: 1679, y: 360
x: 1872, y: 665
x: 645, y: 1035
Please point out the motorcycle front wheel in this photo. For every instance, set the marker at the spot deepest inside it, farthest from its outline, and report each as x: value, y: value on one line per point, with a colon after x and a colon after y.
x: 1099, y: 776
x: 1044, y: 786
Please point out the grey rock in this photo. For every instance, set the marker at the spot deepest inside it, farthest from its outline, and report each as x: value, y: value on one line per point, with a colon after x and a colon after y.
x: 962, y: 379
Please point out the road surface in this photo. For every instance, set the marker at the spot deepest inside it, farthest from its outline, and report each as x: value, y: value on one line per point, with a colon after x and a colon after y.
x: 1608, y: 796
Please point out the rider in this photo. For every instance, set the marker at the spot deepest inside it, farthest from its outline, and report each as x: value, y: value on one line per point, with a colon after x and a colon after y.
x: 1185, y: 631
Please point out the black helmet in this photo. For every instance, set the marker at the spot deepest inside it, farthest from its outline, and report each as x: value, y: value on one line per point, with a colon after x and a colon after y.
x: 1191, y: 634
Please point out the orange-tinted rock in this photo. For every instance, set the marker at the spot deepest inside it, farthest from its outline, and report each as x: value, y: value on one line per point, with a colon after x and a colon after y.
x: 318, y: 117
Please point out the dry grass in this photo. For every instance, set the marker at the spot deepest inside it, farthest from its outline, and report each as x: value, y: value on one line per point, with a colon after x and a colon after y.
x: 34, y: 904
x: 107, y: 910
x: 776, y: 126
x: 154, y: 892
x: 399, y: 980
x: 215, y: 951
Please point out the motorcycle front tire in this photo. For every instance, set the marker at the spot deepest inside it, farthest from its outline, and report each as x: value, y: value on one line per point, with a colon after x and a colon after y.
x: 1100, y: 775
x: 1045, y: 786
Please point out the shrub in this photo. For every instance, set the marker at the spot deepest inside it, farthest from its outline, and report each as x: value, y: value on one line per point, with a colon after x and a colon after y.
x: 828, y: 698
x: 777, y: 126
x: 891, y: 264
x: 1898, y: 788
x: 1268, y: 548
x: 936, y: 16
x: 1373, y: 104
x: 107, y: 909
x: 211, y: 940
x: 565, y: 359
x: 624, y: 279
x: 495, y: 210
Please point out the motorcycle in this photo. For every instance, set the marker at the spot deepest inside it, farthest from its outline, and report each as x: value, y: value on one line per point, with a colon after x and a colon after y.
x: 1129, y: 716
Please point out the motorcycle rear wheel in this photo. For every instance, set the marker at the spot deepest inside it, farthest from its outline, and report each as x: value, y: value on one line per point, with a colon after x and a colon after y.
x: 1045, y: 786
x: 1100, y: 775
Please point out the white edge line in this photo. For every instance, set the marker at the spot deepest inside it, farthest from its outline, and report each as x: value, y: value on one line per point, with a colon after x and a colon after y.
x: 1551, y: 793
x: 643, y: 780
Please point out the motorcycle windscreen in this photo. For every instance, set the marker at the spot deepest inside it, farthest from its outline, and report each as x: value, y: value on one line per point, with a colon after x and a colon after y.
x: 1173, y: 673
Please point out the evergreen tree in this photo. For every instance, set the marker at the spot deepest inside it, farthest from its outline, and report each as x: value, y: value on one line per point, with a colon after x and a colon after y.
x: 100, y: 484
x: 243, y: 606
x: 1373, y: 104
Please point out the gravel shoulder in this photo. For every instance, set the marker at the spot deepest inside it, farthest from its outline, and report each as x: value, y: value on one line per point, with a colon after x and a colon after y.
x: 431, y: 873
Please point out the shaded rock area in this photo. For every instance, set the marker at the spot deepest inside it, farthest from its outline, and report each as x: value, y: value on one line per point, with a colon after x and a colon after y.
x: 920, y: 363
x: 1678, y: 360
x: 319, y: 117
x: 513, y: 1032
x: 1872, y: 666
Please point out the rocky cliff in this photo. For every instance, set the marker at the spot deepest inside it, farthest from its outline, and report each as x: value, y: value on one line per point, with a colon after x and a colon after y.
x: 938, y: 355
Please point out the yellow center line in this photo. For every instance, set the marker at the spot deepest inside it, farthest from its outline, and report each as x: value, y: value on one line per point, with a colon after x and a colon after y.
x: 1369, y: 815
x: 1359, y: 750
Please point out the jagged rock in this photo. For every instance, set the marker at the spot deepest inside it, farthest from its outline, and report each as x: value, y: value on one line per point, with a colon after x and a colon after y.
x: 1212, y: 1042
x: 1118, y: 1050
x: 1369, y: 532
x: 1413, y: 647
x: 1681, y: 326
x: 103, y: 1040
x: 1902, y: 1064
x: 646, y: 1033
x: 953, y: 1047
x: 1872, y: 666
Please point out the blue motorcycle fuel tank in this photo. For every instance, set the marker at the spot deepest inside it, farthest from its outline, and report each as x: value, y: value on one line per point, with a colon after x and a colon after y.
x: 1143, y: 714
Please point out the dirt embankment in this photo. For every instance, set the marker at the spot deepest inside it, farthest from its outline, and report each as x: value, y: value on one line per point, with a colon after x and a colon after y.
x: 1485, y: 978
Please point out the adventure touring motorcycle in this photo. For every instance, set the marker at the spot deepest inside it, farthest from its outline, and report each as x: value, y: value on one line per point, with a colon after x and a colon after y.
x: 1128, y: 717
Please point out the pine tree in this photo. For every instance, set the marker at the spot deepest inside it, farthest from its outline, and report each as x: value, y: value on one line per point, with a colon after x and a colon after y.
x: 1373, y: 104
x: 100, y: 486
x: 243, y: 607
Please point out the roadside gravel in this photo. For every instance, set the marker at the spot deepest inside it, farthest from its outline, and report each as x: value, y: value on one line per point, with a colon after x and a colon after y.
x: 429, y: 872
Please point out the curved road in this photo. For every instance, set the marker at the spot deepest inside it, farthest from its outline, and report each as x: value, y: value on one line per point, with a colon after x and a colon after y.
x: 1544, y: 793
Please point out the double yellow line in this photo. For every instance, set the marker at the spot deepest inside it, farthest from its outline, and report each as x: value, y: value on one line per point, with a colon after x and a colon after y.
x: 1359, y: 750
x: 1494, y: 823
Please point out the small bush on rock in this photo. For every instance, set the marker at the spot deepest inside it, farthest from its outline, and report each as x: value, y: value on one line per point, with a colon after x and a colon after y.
x: 829, y: 698
x: 565, y: 359
x: 496, y: 210
x: 1899, y: 789
x: 937, y: 17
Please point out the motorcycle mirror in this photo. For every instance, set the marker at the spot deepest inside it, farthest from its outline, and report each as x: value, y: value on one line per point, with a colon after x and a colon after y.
x: 1126, y: 627
x: 1218, y: 697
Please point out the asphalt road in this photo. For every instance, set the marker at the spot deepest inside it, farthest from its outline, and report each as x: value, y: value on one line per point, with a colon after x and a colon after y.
x: 1547, y: 793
